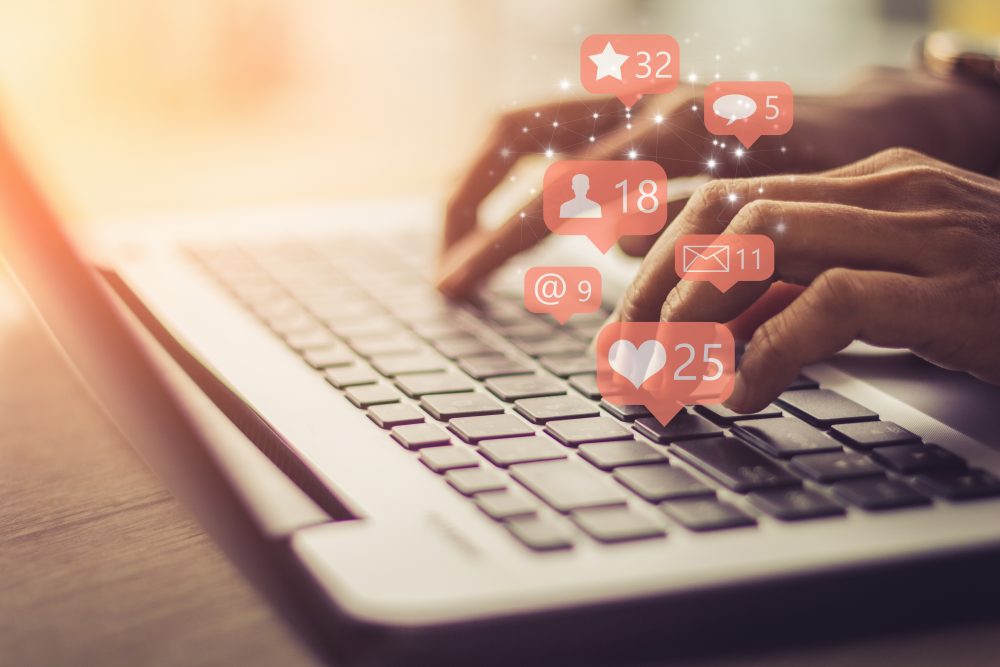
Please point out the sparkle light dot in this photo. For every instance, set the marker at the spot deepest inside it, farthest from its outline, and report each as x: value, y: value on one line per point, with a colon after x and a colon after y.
x: 596, y: 115
x: 632, y: 154
x: 532, y: 191
x: 694, y: 107
x: 783, y: 149
x: 523, y: 215
x: 738, y: 152
x: 513, y: 178
x: 722, y: 144
x: 593, y: 139
x: 555, y: 123
x: 760, y: 190
x: 692, y: 77
x: 564, y: 84
x: 711, y: 164
x: 717, y: 75
x: 658, y: 118
x: 504, y: 152
x: 524, y: 129
x: 549, y: 152
x: 718, y: 57
x: 715, y: 142
x: 780, y: 227
x: 731, y: 196
x: 752, y: 76
x: 538, y: 114
x: 628, y: 115
x: 628, y: 126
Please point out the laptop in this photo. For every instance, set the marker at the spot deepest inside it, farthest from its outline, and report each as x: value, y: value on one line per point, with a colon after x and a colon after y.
x: 411, y: 480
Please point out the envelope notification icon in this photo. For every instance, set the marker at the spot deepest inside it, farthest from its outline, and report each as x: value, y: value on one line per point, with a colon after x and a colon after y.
x: 706, y: 259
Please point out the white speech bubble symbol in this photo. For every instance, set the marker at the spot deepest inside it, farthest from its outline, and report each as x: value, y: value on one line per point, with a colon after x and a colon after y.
x: 734, y: 107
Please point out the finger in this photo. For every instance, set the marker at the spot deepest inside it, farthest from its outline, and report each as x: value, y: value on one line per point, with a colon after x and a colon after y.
x: 842, y: 305
x: 809, y: 239
x: 772, y: 302
x: 714, y: 206
x: 562, y: 127
x: 468, y: 262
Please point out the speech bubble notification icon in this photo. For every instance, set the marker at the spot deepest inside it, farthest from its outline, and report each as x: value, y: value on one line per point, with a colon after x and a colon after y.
x: 734, y: 107
x: 749, y: 109
x: 724, y: 259
x: 665, y: 365
x: 604, y: 200
x: 629, y: 66
x: 562, y: 291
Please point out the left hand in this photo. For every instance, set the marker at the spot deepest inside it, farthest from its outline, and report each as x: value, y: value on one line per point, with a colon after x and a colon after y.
x: 897, y: 250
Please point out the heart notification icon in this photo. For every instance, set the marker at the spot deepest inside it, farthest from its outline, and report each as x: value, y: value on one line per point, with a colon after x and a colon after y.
x: 665, y: 365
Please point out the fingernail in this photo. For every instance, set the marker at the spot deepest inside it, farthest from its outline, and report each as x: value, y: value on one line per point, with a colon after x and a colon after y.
x: 739, y: 395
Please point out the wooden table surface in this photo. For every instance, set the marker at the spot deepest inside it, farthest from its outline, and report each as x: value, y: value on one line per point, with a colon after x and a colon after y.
x: 100, y: 566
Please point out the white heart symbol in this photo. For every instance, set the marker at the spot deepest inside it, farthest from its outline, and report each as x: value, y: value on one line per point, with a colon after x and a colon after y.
x: 637, y: 364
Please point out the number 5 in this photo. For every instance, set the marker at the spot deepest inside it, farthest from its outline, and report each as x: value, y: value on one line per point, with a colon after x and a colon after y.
x: 770, y: 106
x: 709, y: 359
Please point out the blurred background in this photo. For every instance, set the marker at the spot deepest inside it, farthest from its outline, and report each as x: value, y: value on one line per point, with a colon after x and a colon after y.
x: 140, y: 106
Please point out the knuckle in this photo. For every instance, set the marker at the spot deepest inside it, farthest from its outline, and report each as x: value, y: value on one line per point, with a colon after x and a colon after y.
x: 710, y: 193
x: 766, y: 341
x: 756, y: 216
x: 674, y: 300
x: 838, y: 292
x: 900, y: 155
x: 630, y: 304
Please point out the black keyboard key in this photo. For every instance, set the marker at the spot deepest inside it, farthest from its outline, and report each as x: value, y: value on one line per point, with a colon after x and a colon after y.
x: 735, y: 464
x: 876, y: 494
x: 351, y: 376
x: 442, y: 459
x: 448, y: 406
x: 802, y: 382
x: 391, y: 365
x: 590, y: 429
x: 547, y: 408
x: 540, y: 534
x: 459, y: 348
x: 476, y: 429
x: 567, y: 485
x: 524, y: 326
x: 911, y: 459
x: 418, y: 436
x: 824, y: 407
x: 960, y: 484
x: 482, y: 368
x: 661, y: 481
x: 795, y: 504
x: 329, y: 356
x: 557, y: 344
x: 508, y: 451
x: 470, y: 481
x: 785, y: 437
x: 684, y: 426
x: 610, y: 455
x: 586, y: 384
x: 425, y: 384
x: 395, y: 414
x: 720, y: 414
x: 703, y: 514
x: 400, y: 343
x: 565, y: 366
x: 865, y: 435
x: 505, y: 504
x: 367, y: 395
x: 617, y: 524
x: 836, y: 466
x: 626, y: 413
x: 515, y: 387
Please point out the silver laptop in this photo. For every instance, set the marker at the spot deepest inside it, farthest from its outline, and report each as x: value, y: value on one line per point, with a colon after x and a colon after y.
x: 412, y: 480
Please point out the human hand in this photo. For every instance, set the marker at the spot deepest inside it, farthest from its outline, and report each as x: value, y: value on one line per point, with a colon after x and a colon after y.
x: 897, y: 250
x: 946, y: 119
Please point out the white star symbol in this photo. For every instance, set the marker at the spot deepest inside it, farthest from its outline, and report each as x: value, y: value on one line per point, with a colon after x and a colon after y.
x: 609, y: 63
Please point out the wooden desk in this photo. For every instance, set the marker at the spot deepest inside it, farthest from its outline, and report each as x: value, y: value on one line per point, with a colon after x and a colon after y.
x: 100, y: 566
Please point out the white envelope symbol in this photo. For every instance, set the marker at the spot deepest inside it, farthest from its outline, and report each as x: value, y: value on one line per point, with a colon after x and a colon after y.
x: 707, y: 258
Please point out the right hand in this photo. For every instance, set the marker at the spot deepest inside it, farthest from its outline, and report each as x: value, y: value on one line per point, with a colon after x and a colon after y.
x: 945, y: 119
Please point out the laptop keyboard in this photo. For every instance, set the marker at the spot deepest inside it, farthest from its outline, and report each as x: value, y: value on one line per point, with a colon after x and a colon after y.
x: 514, y: 422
